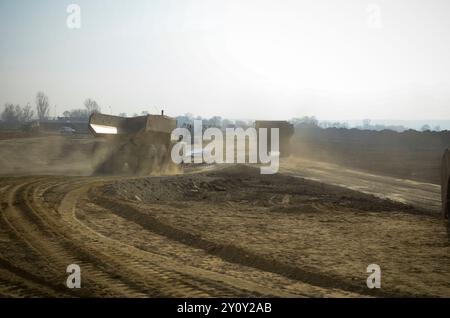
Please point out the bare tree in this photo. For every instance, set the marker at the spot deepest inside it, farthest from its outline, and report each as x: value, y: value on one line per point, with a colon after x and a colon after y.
x: 215, y: 121
x: 27, y: 114
x: 16, y: 114
x: 42, y: 106
x: 79, y: 114
x: 91, y: 106
x: 9, y: 114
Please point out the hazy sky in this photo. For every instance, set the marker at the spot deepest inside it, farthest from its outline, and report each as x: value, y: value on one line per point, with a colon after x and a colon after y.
x: 335, y: 59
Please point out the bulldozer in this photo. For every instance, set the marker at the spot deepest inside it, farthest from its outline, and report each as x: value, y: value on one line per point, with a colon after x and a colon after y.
x: 445, y: 185
x: 286, y: 130
x: 131, y: 146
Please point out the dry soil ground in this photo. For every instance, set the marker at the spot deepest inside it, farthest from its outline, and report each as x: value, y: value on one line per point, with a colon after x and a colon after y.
x: 212, y: 231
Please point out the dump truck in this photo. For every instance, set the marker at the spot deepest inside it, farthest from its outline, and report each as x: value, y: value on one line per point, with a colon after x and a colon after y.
x: 445, y: 184
x: 286, y: 130
x: 133, y: 146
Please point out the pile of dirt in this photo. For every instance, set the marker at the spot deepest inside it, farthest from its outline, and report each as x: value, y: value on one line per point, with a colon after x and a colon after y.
x: 245, y: 185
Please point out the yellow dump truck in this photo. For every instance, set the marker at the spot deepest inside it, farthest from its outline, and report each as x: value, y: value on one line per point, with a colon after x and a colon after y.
x: 137, y: 146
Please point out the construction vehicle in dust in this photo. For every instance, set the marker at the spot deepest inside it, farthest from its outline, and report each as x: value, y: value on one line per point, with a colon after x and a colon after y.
x: 445, y: 184
x: 285, y: 129
x: 133, y: 146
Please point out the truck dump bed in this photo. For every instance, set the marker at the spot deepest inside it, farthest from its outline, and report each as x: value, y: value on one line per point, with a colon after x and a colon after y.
x: 101, y: 124
x: 137, y: 145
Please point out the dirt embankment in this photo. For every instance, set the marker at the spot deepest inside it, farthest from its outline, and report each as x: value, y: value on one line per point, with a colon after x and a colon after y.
x: 410, y: 155
x: 243, y: 184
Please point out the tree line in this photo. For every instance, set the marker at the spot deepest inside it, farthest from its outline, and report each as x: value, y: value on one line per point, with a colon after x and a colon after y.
x: 23, y: 114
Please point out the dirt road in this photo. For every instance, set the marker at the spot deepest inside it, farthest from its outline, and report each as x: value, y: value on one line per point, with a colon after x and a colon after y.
x: 40, y: 235
x: 211, y: 234
x: 214, y: 231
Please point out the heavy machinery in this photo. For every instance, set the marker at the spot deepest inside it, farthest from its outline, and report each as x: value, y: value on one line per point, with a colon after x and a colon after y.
x: 286, y: 130
x: 445, y: 184
x: 134, y: 146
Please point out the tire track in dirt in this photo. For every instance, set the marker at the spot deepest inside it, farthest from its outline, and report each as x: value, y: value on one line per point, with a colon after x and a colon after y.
x: 55, y: 249
x: 40, y: 213
x: 22, y: 277
x: 125, y: 267
x: 13, y: 267
x: 235, y: 254
x: 218, y: 284
x: 12, y: 285
x: 64, y: 240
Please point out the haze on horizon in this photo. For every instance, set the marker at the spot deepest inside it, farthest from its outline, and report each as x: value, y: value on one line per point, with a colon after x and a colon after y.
x: 261, y: 59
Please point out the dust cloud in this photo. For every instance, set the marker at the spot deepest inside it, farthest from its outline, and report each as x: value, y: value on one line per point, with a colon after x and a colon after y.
x: 46, y: 155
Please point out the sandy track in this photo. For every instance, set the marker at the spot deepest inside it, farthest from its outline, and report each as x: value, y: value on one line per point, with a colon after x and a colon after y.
x: 248, y: 241
x: 306, y: 231
x: 38, y: 218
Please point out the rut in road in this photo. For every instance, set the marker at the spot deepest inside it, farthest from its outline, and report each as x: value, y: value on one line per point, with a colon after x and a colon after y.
x: 108, y: 268
x: 31, y: 223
